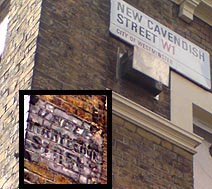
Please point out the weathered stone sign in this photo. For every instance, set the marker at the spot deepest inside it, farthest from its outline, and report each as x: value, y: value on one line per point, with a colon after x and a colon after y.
x: 67, y: 144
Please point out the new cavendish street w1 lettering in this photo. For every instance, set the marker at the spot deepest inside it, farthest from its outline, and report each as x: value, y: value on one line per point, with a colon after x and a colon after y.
x: 136, y: 28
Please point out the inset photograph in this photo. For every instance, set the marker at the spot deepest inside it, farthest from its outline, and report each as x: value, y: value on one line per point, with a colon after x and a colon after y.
x: 65, y: 137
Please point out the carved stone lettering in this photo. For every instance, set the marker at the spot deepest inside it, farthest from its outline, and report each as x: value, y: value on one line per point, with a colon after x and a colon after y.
x: 37, y: 142
x: 66, y: 143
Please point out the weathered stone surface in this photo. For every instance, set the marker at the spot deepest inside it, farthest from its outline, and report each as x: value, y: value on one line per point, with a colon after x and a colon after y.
x: 67, y: 143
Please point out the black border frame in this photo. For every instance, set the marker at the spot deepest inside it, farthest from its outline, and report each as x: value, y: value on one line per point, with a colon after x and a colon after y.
x: 108, y: 93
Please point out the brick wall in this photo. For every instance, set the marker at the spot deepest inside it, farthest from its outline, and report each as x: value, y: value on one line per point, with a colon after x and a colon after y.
x: 75, y: 36
x: 16, y: 71
x: 72, y: 39
x: 66, y: 140
x: 143, y: 160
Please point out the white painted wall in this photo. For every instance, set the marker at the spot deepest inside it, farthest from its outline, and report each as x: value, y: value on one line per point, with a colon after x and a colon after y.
x: 3, y: 33
x: 26, y: 111
x: 184, y: 94
x: 203, y: 167
x: 192, y: 104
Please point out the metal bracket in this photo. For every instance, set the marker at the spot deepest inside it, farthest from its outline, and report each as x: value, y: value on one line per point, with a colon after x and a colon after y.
x: 125, y: 69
